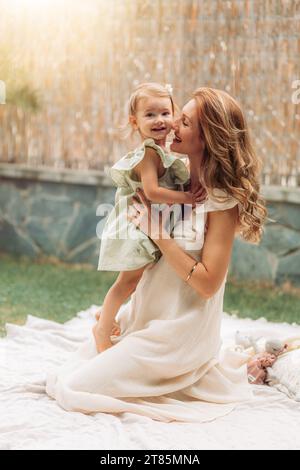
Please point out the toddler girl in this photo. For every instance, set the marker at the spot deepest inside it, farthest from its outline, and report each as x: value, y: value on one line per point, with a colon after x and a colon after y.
x: 151, y: 167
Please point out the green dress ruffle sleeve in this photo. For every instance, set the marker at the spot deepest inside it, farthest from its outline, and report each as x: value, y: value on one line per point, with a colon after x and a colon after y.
x: 124, y: 247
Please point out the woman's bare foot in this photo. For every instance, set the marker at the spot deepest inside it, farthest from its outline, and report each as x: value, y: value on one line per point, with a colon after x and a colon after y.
x: 102, y: 339
x: 116, y: 327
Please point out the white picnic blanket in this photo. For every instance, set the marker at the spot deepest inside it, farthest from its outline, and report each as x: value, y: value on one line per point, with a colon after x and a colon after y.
x: 30, y: 419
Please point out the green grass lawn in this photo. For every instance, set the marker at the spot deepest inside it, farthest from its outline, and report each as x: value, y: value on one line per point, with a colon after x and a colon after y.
x: 57, y: 291
x: 53, y: 291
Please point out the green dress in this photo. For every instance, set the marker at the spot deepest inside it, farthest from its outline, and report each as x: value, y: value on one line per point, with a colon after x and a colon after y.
x: 124, y: 247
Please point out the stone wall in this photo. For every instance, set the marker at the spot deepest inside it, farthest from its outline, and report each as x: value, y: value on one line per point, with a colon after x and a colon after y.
x: 53, y: 212
x: 277, y: 258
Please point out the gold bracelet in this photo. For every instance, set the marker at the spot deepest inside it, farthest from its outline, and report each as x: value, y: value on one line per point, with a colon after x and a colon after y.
x: 191, y: 271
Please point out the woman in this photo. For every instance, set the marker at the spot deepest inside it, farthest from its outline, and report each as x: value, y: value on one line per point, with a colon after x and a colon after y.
x: 165, y: 364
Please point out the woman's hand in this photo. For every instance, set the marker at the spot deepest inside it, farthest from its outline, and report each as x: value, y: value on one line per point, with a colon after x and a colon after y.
x: 147, y: 217
x: 198, y: 196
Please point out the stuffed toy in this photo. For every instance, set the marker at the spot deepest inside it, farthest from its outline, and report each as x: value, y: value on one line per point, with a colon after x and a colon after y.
x: 260, y: 357
x: 245, y: 342
x: 258, y: 364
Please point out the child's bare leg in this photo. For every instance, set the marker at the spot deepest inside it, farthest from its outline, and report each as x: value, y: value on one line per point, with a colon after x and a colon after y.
x: 116, y: 327
x: 124, y: 285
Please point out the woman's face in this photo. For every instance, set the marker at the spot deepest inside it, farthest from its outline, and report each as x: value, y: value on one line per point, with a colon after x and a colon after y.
x: 187, y: 138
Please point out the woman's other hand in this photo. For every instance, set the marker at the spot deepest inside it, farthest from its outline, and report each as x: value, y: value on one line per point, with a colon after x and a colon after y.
x: 198, y: 196
x: 147, y: 217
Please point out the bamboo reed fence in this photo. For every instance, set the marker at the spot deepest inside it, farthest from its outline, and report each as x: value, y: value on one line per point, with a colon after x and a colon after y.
x: 84, y: 57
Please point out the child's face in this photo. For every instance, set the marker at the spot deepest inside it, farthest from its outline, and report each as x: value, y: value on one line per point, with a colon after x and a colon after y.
x: 154, y: 118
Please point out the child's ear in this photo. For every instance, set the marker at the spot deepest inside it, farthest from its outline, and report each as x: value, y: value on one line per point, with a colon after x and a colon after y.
x: 133, y: 122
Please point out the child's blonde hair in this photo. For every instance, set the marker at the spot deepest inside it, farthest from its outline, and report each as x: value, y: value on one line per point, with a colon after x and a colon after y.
x: 144, y: 90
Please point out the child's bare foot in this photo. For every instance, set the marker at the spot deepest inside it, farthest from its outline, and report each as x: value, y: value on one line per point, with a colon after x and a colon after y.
x: 97, y: 314
x: 102, y: 339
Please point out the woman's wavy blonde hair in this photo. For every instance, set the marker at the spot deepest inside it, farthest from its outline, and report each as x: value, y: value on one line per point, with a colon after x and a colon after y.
x: 230, y: 162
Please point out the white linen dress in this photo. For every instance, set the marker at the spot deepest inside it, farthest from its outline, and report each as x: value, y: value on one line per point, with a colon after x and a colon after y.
x: 168, y: 363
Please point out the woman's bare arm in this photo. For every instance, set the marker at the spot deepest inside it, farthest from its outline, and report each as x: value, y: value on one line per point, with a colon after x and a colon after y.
x: 210, y: 272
